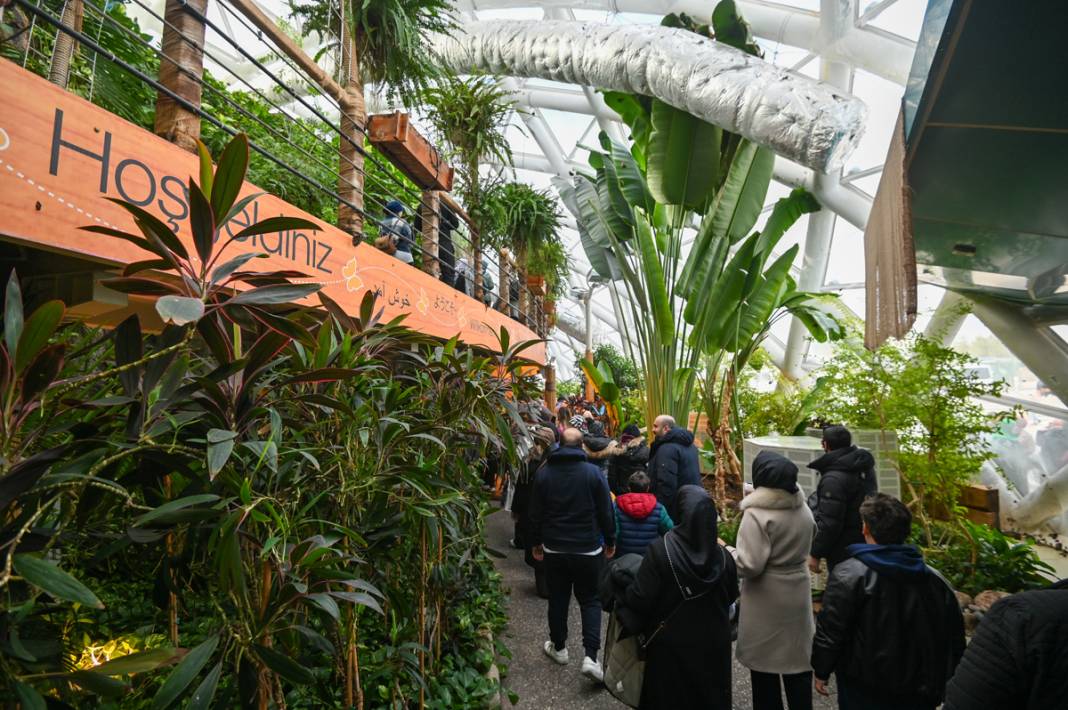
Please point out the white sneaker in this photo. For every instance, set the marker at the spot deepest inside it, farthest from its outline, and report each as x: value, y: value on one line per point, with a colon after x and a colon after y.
x: 558, y: 656
x: 592, y: 670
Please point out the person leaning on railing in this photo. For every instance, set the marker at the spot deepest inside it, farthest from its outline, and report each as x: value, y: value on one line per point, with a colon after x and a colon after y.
x: 395, y: 237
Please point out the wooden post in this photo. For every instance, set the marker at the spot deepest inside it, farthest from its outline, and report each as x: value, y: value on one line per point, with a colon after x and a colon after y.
x: 504, y: 273
x: 183, y: 37
x: 353, y: 123
x: 524, y: 290
x: 549, y: 372
x: 429, y: 210
x: 65, y: 46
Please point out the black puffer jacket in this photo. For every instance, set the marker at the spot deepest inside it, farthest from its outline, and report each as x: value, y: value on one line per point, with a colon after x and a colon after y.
x: 673, y: 463
x: 1018, y: 658
x: 626, y: 459
x: 847, y: 477
x: 890, y: 623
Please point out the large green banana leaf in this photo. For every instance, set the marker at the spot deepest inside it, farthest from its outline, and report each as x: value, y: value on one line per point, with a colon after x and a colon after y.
x: 755, y: 311
x: 744, y: 193
x: 731, y: 29
x: 653, y: 272
x: 634, y: 110
x: 816, y: 313
x: 611, y: 191
x: 629, y: 174
x: 599, y: 255
x: 783, y: 216
x: 734, y: 213
x: 710, y: 310
x: 683, y: 158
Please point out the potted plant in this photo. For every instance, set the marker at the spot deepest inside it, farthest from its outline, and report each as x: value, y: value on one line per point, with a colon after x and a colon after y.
x: 470, y: 114
x: 549, y: 261
x: 526, y: 219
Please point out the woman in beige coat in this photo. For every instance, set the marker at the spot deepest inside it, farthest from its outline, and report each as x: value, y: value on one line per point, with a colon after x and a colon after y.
x: 775, y: 625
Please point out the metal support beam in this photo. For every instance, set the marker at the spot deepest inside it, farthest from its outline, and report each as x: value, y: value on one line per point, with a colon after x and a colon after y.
x: 947, y: 319
x: 1037, y: 346
x: 836, y: 19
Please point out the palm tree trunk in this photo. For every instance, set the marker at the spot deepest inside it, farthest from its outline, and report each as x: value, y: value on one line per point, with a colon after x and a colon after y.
x: 181, y: 73
x: 473, y: 205
x: 65, y: 47
x: 353, y: 122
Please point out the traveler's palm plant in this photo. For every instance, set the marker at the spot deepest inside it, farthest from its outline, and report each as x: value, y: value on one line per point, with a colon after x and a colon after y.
x: 716, y: 300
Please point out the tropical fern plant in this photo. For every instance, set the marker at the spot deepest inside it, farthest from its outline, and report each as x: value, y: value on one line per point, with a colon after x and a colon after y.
x: 470, y: 115
x: 389, y: 38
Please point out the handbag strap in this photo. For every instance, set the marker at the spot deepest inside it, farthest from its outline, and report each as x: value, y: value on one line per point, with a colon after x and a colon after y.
x: 660, y: 627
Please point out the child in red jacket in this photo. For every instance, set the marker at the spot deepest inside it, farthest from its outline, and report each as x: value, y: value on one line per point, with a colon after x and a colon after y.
x: 639, y: 518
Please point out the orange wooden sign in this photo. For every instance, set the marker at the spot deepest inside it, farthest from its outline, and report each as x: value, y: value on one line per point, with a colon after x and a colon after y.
x: 60, y: 156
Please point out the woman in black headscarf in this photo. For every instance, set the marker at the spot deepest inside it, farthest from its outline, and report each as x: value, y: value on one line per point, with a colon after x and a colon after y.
x: 683, y: 590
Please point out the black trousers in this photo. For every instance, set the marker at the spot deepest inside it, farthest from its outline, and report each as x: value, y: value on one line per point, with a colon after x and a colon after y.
x: 853, y: 695
x: 579, y: 574
x: 767, y: 691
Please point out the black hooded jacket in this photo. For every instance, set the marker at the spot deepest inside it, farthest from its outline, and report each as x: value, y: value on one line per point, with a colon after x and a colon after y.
x: 890, y: 623
x: 684, y: 588
x: 1018, y: 657
x: 673, y: 463
x: 847, y: 477
x: 570, y: 506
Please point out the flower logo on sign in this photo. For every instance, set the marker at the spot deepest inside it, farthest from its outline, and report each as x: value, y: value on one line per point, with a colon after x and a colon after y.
x: 423, y: 304
x: 5, y: 139
x: 461, y: 318
x: 353, y: 282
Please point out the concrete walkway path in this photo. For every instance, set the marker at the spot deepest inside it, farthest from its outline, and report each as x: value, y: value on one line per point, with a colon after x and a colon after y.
x: 540, y: 683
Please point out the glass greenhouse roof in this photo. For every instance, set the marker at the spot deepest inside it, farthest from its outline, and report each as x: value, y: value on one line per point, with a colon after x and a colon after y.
x: 876, y: 42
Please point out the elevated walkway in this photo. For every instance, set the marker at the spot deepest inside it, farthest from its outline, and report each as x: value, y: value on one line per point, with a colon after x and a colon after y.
x: 61, y: 156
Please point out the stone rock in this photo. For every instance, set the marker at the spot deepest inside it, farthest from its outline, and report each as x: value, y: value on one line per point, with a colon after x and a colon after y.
x: 987, y: 599
x: 971, y: 621
x: 494, y: 674
x: 963, y: 600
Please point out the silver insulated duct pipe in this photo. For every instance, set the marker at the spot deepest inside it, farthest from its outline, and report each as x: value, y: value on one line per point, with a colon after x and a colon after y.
x: 799, y: 118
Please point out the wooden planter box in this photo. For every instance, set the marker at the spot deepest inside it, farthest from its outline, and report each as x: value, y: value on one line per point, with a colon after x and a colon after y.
x: 536, y: 284
x: 393, y: 134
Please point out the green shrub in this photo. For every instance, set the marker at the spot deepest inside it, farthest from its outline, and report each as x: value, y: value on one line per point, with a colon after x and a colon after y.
x: 974, y: 558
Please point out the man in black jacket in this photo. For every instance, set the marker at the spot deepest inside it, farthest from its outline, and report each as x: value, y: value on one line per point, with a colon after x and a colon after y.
x: 890, y: 628
x: 847, y: 477
x: 673, y: 462
x: 1017, y: 658
x: 570, y: 515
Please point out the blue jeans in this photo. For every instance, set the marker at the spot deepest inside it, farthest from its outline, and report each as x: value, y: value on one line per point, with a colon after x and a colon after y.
x: 853, y: 695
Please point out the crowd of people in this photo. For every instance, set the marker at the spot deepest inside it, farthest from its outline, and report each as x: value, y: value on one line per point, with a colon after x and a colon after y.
x: 627, y: 528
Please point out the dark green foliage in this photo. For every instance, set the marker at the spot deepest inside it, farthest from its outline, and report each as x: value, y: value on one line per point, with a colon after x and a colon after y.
x: 624, y: 372
x: 297, y: 486
x: 925, y: 393
x: 391, y: 37
x: 974, y: 558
